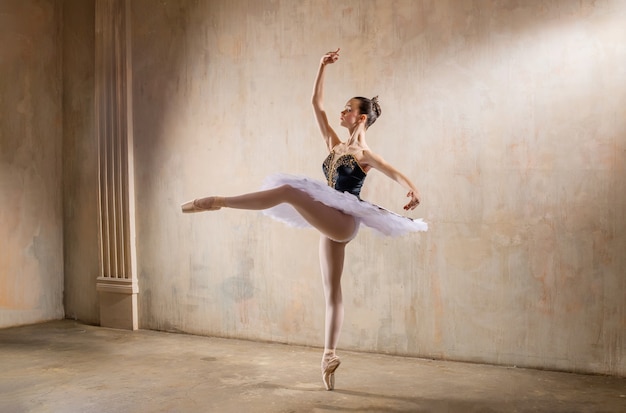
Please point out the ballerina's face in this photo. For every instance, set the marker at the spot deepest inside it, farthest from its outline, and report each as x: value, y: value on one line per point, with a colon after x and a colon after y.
x: 350, y: 114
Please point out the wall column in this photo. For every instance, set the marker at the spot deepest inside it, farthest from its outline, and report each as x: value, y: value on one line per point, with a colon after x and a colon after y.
x: 117, y: 283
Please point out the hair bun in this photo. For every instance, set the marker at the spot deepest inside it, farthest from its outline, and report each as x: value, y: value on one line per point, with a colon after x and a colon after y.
x: 376, y: 105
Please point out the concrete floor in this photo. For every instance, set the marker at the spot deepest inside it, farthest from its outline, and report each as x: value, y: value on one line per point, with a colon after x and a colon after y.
x: 64, y: 366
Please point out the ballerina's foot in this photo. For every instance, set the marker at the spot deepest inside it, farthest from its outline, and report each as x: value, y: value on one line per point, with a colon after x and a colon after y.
x: 329, y: 365
x: 212, y: 203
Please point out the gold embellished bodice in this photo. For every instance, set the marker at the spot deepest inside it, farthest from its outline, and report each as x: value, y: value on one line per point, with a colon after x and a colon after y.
x: 344, y: 173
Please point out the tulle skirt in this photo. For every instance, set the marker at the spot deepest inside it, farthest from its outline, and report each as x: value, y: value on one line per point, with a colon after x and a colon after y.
x: 380, y: 219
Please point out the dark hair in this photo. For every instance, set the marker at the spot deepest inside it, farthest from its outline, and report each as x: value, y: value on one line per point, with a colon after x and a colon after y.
x: 370, y: 108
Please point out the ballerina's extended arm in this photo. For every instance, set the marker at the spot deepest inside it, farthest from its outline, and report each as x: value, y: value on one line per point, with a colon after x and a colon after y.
x: 329, y: 135
x: 375, y: 161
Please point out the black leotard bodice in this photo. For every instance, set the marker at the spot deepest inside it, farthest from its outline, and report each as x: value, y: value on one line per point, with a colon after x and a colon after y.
x: 344, y: 173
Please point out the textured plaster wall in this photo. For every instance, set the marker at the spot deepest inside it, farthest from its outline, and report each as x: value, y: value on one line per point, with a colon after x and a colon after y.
x: 509, y: 115
x: 80, y: 163
x: 31, y: 232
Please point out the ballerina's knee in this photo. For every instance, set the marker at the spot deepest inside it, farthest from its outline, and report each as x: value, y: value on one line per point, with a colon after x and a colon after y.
x: 357, y: 224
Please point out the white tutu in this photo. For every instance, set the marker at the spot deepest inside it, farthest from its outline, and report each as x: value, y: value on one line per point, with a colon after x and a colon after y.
x: 380, y: 219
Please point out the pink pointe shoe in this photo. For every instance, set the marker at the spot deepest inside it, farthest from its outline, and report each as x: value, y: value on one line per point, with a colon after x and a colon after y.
x: 329, y: 365
x: 214, y: 204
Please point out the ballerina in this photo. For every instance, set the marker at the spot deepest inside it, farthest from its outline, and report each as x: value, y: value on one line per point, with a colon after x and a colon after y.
x: 333, y: 207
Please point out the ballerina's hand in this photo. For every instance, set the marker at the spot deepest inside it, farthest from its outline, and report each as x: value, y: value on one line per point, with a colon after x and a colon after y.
x: 330, y: 57
x: 415, y: 200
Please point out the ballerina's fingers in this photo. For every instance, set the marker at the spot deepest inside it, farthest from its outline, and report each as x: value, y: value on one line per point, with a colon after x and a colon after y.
x: 331, y: 57
x: 414, y: 201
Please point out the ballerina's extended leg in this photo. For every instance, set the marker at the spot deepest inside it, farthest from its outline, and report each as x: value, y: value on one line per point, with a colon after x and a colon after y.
x: 329, y: 221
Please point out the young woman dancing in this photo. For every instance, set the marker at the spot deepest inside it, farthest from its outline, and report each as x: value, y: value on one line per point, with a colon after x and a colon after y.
x: 332, y: 207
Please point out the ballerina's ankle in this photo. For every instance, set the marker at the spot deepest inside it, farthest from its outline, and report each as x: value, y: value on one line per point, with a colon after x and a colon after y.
x: 212, y: 202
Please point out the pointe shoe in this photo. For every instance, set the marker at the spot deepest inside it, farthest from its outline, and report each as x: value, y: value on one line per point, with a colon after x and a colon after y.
x: 328, y: 371
x: 192, y: 206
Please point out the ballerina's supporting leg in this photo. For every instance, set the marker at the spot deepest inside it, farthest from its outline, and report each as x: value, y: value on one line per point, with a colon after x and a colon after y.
x: 329, y: 221
x: 331, y: 255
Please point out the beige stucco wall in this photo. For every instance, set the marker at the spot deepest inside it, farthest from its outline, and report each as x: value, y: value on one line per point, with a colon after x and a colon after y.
x: 80, y: 163
x: 31, y: 231
x: 508, y: 115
